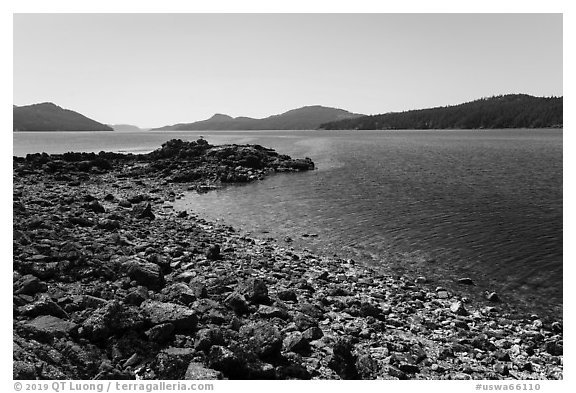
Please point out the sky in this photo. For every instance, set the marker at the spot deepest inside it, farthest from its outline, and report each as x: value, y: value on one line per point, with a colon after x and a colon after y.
x: 153, y: 70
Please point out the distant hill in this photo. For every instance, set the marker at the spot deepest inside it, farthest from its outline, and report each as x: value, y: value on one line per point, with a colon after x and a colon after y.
x: 124, y: 127
x: 50, y: 117
x: 306, y: 118
x: 506, y: 111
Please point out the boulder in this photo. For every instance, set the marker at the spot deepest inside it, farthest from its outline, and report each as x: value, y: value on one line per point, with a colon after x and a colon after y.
x: 197, y: 371
x: 255, y: 290
x: 113, y: 318
x: 183, y: 318
x: 145, y: 273
x: 47, y: 327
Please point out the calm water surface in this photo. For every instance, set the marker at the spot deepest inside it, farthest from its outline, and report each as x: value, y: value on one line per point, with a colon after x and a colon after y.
x: 444, y: 204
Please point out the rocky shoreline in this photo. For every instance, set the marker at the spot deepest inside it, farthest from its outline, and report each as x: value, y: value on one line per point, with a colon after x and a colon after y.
x: 111, y: 283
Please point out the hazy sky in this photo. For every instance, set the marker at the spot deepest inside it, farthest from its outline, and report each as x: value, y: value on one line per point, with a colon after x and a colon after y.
x: 158, y: 69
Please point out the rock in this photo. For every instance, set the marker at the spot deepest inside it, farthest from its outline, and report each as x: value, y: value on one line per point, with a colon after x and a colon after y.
x: 29, y: 285
x: 409, y: 368
x: 224, y: 360
x: 458, y: 308
x: 145, y: 273
x: 198, y: 289
x: 367, y: 367
x: 113, y: 318
x: 205, y: 338
x: 95, y: 206
x: 47, y: 327
x: 501, y: 368
x: 172, y: 363
x: 160, y: 333
x: 81, y: 221
x: 197, y: 371
x: 136, y: 296
x: 396, y: 373
x: 237, y: 302
x: 109, y: 225
x: 183, y: 318
x: 442, y: 294
x: 465, y: 281
x: 272, y: 312
x: 43, y: 306
x: 287, y: 295
x: 370, y: 310
x: 179, y: 292
x: 342, y: 361
x: 213, y: 252
x: 303, y: 321
x: 313, y: 333
x: 296, y: 342
x: 124, y: 203
x: 554, y: 348
x: 262, y: 338
x: 23, y: 370
x: 557, y: 327
x: 143, y: 211
x: 255, y: 290
x: 492, y: 296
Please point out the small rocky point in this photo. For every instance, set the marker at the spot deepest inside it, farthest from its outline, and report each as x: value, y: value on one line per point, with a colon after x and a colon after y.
x: 111, y: 283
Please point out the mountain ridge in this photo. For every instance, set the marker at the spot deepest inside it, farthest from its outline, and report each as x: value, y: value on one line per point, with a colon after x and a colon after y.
x: 47, y: 116
x: 503, y: 111
x: 306, y: 117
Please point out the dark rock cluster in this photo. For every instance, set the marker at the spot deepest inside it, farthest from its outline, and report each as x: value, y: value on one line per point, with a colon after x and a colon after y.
x: 111, y: 283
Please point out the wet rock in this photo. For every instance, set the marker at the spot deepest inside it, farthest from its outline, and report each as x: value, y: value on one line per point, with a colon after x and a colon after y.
x: 183, y: 318
x: 197, y: 371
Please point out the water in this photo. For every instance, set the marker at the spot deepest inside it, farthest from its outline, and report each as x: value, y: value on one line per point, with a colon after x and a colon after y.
x: 444, y: 204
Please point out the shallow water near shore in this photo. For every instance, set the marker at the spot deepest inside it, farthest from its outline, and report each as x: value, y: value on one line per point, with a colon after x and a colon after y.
x: 443, y: 204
